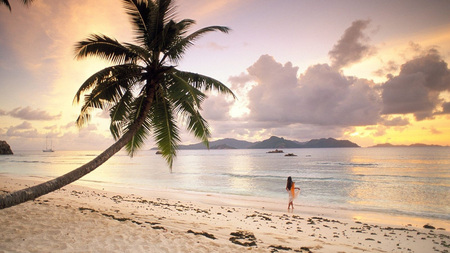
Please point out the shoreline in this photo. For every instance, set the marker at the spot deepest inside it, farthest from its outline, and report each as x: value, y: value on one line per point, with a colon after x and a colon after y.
x: 277, y: 204
x: 78, y: 217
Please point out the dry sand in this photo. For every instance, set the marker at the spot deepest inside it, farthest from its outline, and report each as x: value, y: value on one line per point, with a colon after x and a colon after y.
x: 81, y: 219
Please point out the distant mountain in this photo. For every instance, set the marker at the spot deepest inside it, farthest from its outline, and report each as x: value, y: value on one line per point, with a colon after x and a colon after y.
x: 272, y: 143
x: 275, y: 142
x: 329, y: 143
x: 220, y: 144
x: 389, y: 145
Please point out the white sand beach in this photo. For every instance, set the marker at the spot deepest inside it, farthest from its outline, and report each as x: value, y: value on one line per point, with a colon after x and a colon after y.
x: 81, y: 219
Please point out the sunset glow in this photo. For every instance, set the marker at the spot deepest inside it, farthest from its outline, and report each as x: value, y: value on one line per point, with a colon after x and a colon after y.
x: 370, y: 72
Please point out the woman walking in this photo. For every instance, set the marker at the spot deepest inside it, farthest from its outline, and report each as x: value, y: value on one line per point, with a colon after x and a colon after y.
x: 293, y: 192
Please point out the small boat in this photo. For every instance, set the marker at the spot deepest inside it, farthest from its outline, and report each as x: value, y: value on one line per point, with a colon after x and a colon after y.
x: 290, y: 154
x: 47, y: 149
x: 159, y: 152
x: 275, y: 151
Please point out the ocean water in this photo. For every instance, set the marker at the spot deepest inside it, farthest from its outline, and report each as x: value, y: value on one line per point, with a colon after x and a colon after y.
x: 404, y: 181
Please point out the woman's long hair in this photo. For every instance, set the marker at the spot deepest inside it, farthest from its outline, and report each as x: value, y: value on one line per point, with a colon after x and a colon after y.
x: 289, y: 183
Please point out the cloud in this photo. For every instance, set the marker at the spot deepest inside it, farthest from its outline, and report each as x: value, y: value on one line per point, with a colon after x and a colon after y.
x: 239, y: 81
x: 330, y: 98
x: 275, y: 86
x: 417, y: 88
x: 352, y: 47
x: 216, y: 46
x: 216, y: 108
x: 26, y: 137
x: 396, y: 121
x: 387, y: 68
x: 320, y: 96
x: 435, y: 131
x: 446, y: 108
x: 28, y: 113
x: 24, y: 130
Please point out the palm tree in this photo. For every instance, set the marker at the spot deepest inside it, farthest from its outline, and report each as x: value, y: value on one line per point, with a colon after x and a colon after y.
x: 144, y: 91
x: 6, y: 2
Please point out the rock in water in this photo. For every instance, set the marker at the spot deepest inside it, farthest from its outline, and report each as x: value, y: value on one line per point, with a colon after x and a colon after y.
x: 5, y: 149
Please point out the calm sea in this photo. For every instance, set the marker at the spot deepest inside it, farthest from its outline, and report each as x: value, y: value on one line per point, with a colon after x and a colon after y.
x: 406, y: 181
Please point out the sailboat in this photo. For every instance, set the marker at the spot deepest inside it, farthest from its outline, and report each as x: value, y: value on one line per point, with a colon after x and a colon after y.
x: 47, y: 149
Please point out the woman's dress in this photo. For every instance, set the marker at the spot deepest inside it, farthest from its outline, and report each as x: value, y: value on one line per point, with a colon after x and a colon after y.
x: 293, y: 193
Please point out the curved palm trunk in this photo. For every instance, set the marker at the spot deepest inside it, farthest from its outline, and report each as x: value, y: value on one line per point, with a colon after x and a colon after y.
x: 36, y: 191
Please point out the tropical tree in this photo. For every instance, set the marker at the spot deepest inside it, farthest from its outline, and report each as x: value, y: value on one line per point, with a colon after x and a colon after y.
x: 6, y: 2
x: 144, y: 91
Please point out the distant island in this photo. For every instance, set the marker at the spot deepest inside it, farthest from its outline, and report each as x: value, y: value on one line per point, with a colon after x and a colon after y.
x: 273, y: 142
x: 389, y: 145
x: 5, y: 149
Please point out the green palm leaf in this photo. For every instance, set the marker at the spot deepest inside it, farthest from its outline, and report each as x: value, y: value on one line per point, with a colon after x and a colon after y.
x: 105, y: 48
x: 187, y: 100
x: 125, y: 75
x: 203, y: 82
x: 165, y: 129
x: 119, y: 114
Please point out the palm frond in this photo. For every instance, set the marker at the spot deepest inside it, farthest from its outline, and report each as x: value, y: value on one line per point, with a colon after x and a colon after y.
x: 165, y: 130
x: 142, y: 54
x: 187, y: 100
x: 177, y: 50
x: 161, y: 19
x: 197, y: 34
x: 119, y: 114
x: 138, y: 139
x: 143, y: 131
x: 166, y: 12
x: 105, y: 48
x: 110, y: 87
x: 203, y: 82
x: 140, y: 12
x: 92, y: 101
x: 181, y: 90
x: 121, y: 110
x: 6, y: 2
x: 196, y: 124
x: 125, y: 75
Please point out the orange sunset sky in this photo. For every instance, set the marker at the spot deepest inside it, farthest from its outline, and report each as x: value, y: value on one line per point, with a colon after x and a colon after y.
x: 367, y: 71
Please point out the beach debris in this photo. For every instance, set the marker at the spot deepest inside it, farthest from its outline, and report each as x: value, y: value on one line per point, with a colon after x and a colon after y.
x: 86, y: 209
x: 279, y: 247
x: 207, y: 235
x: 428, y: 226
x: 115, y: 218
x: 263, y: 216
x: 243, y: 238
x: 305, y: 249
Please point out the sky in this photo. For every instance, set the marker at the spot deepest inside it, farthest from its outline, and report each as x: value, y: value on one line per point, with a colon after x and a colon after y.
x: 370, y: 72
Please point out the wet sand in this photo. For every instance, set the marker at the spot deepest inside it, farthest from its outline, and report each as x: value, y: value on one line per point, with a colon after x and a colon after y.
x: 82, y: 219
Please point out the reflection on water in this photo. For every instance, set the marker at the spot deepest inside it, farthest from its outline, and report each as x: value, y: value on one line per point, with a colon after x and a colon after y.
x: 410, y: 185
